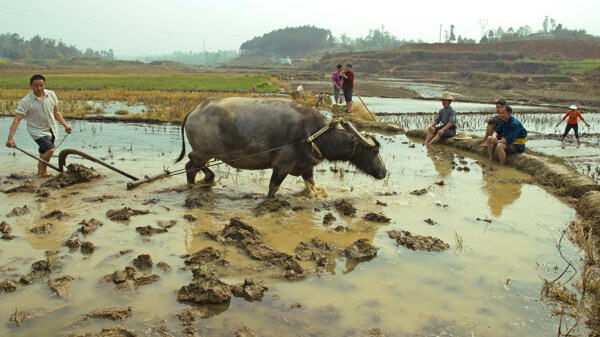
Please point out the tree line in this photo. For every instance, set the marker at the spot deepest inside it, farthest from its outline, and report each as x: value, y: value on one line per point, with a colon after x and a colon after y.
x: 550, y: 30
x: 14, y: 47
x: 204, y: 58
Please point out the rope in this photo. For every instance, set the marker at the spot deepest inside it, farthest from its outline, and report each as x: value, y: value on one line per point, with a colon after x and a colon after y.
x: 307, y: 140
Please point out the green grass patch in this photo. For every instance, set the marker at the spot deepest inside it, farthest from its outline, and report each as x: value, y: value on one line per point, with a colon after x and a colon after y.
x: 205, y: 83
x: 567, y: 67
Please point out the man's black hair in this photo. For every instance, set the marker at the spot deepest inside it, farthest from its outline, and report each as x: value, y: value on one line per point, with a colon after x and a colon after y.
x: 349, y: 65
x: 339, y: 66
x: 37, y: 77
x: 508, y: 108
x: 501, y: 102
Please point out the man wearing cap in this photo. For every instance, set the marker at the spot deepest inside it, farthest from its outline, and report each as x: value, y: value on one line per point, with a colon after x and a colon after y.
x: 40, y: 110
x: 337, y: 83
x: 508, y: 137
x: 573, y: 114
x: 446, y: 116
x: 492, y: 122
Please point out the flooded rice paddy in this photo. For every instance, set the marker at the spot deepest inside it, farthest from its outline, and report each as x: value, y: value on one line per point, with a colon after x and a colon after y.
x: 500, y: 228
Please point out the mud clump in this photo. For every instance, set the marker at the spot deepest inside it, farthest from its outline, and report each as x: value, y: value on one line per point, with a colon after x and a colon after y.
x: 190, y: 218
x: 119, y: 331
x: 129, y: 279
x: 205, y: 288
x: 5, y: 230
x: 87, y: 247
x: 73, y: 242
x: 196, y: 198
x: 345, y: 208
x: 124, y: 213
x: 26, y: 187
x: 57, y: 214
x: 419, y: 192
x: 101, y: 198
x: 143, y: 261
x: 89, y: 226
x: 418, y: 242
x: 5, y: 227
x: 61, y: 286
x: 430, y: 222
x: 149, y: 230
x: 166, y: 224
x: 43, y: 229
x: 376, y: 217
x: 113, y: 314
x: 248, y: 238
x: 164, y: 267
x: 205, y: 255
x: 18, y: 211
x: 249, y: 290
x: 328, y: 219
x: 361, y: 251
x: 75, y: 174
x: 8, y: 286
x: 245, y: 332
x: 187, y: 320
x: 319, y: 251
x: 269, y: 206
x: 39, y: 271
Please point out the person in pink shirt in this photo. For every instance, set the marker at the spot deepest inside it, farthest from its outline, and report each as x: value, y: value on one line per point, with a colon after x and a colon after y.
x: 337, y: 84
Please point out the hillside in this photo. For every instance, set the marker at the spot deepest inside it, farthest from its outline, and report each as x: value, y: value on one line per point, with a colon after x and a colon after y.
x: 517, y: 57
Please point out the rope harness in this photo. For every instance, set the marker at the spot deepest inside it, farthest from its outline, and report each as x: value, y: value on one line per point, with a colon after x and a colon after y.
x: 310, y: 140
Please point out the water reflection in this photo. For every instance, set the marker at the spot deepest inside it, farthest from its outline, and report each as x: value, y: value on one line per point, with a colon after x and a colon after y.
x: 500, y: 194
x: 442, y: 158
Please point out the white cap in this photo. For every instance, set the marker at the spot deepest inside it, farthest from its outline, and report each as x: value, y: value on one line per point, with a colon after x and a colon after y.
x: 573, y: 106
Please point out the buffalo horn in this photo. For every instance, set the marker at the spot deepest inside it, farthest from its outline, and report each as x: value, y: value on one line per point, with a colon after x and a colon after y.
x: 368, y: 142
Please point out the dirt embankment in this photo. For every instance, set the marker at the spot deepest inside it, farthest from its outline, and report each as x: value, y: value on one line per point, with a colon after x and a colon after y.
x: 559, y: 179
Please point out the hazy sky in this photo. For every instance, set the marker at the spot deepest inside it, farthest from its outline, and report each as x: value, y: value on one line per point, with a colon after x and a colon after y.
x: 148, y: 27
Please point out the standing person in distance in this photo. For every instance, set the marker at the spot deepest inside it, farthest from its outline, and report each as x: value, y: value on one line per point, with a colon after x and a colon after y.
x: 573, y: 114
x: 348, y: 86
x: 337, y: 84
x: 40, y: 109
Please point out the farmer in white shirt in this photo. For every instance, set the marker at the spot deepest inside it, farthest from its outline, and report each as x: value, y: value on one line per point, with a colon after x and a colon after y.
x: 40, y: 110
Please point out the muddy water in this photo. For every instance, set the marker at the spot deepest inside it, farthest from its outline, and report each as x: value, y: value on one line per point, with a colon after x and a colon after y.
x: 486, y: 284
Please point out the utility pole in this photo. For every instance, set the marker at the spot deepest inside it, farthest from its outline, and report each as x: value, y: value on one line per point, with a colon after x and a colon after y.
x: 382, y: 36
x: 205, y: 45
x: 440, y: 33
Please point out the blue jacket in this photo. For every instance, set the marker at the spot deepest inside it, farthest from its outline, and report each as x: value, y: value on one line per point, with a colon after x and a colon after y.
x: 510, y: 131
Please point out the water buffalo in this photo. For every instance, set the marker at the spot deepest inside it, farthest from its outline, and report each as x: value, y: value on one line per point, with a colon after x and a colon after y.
x: 263, y: 133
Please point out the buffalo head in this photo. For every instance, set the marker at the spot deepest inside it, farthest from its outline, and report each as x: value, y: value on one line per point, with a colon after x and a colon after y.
x: 366, y: 153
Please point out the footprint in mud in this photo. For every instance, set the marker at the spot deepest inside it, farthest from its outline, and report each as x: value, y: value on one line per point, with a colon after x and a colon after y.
x: 270, y: 205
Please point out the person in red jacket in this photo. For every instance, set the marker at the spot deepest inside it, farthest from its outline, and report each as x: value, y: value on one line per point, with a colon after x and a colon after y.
x: 573, y: 114
x: 348, y: 86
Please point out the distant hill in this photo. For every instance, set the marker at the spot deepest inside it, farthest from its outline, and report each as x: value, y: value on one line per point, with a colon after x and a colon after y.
x: 502, y: 57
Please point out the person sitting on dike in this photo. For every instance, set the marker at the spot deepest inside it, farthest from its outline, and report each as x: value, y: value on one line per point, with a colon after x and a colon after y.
x: 509, y: 136
x: 492, y: 122
x: 446, y: 116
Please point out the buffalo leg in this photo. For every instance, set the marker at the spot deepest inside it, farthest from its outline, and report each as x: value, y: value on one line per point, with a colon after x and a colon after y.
x: 191, y: 170
x: 308, y: 177
x: 276, y: 179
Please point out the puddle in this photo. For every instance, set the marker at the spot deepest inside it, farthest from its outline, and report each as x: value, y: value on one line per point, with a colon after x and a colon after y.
x: 115, y: 108
x: 486, y: 283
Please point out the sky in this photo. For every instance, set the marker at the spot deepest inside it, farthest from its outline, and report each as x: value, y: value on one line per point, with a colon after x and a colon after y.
x: 153, y: 27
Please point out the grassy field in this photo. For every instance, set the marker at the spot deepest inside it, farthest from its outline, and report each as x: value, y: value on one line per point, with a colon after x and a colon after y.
x: 167, y: 94
x: 567, y: 67
x: 140, y: 81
